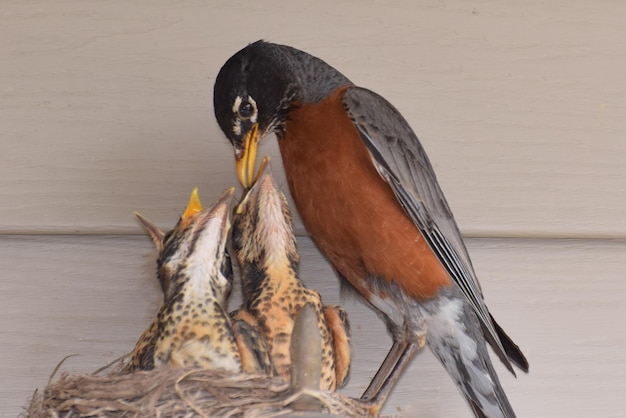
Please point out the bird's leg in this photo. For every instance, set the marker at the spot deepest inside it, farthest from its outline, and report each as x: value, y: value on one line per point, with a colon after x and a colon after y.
x: 394, y: 354
x: 398, y: 358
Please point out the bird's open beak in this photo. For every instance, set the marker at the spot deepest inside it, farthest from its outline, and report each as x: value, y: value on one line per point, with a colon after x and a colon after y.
x: 246, y: 158
x: 193, y: 207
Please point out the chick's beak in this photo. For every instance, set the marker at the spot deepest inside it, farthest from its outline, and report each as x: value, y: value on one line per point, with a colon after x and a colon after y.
x: 223, y: 202
x: 193, y: 207
x: 246, y: 157
x: 221, y: 211
x: 217, y: 218
x: 252, y: 194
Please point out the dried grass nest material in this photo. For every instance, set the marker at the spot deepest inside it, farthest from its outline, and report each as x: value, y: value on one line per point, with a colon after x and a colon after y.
x: 179, y: 392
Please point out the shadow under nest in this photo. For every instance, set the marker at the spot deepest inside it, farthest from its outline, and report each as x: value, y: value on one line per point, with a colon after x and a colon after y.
x: 181, y: 392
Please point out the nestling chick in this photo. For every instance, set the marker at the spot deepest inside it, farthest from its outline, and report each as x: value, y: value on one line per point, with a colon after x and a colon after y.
x: 273, y: 294
x: 192, y: 327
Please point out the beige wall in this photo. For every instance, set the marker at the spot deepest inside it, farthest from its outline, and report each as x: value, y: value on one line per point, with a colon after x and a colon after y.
x: 106, y: 108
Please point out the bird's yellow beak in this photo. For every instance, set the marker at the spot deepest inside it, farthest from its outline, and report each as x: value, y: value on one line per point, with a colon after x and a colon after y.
x: 247, y: 158
x: 264, y: 163
x: 194, y: 206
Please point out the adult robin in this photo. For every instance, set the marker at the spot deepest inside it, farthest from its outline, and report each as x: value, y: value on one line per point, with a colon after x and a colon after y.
x: 192, y: 328
x: 370, y: 200
x: 273, y: 294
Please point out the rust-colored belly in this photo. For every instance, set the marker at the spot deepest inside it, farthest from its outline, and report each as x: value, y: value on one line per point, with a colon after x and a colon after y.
x: 349, y: 210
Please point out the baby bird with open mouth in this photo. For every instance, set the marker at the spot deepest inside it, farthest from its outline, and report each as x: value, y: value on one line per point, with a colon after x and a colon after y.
x: 192, y: 327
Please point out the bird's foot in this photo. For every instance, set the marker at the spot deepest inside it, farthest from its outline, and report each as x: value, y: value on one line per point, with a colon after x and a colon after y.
x: 394, y: 364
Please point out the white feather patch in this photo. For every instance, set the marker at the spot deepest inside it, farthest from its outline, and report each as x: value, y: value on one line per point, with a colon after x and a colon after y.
x: 205, y: 260
x: 448, y: 335
x: 274, y: 228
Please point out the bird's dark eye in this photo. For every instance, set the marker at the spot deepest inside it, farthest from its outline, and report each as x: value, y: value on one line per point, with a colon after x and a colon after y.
x: 227, y: 267
x: 245, y: 110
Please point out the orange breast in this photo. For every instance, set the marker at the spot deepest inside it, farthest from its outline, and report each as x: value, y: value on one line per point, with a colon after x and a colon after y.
x: 349, y: 210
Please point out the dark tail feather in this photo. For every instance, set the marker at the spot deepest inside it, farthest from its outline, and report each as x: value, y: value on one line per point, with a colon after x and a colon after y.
x: 513, y: 352
x: 476, y: 409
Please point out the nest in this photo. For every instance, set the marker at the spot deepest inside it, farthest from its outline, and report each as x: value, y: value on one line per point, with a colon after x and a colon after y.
x: 185, y: 392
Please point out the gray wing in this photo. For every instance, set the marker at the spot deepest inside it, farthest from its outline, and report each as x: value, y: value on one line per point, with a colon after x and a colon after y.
x: 402, y: 162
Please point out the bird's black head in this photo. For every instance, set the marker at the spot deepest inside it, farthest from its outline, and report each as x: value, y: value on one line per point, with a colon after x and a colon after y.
x: 257, y: 87
x: 253, y: 87
x: 251, y: 98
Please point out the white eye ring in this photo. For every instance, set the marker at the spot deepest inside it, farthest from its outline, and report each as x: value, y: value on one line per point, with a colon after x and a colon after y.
x: 245, y: 109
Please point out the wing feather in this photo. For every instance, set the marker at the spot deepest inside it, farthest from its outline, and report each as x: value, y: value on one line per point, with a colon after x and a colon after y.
x: 402, y: 162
